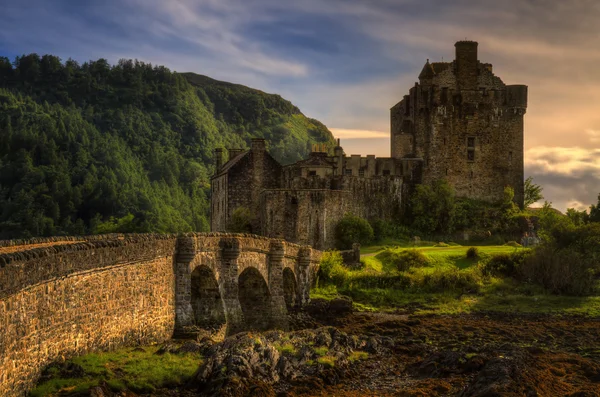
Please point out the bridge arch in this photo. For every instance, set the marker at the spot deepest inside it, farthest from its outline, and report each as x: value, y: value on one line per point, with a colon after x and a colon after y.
x: 207, y: 304
x: 290, y: 288
x: 255, y: 299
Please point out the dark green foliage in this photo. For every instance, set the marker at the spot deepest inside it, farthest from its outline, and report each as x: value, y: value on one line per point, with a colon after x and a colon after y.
x: 472, y: 253
x: 92, y: 148
x: 532, y: 192
x: 352, y: 229
x: 432, y: 208
x: 594, y: 215
x: 506, y: 265
x: 403, y: 260
x: 331, y: 268
x: 384, y: 229
x: 241, y: 220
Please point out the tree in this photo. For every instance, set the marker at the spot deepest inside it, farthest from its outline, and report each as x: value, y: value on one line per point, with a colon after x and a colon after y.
x: 352, y: 229
x: 241, y: 220
x: 579, y: 218
x: 433, y: 208
x: 533, y: 192
x: 595, y: 211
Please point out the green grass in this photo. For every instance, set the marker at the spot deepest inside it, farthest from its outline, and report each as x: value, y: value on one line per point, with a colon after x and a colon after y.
x: 357, y: 355
x: 449, y: 284
x: 321, y: 351
x: 327, y: 361
x: 288, y: 348
x: 139, y: 370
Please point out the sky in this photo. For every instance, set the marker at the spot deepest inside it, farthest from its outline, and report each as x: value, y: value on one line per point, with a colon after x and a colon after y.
x: 346, y: 62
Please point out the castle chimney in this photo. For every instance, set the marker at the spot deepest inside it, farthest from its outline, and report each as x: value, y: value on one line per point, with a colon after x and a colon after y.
x: 258, y: 145
x: 218, y: 159
x: 466, y: 65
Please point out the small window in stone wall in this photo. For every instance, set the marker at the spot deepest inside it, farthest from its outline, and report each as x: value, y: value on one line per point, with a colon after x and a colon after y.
x: 361, y: 172
x: 509, y: 156
x: 312, y: 173
x: 471, y: 148
x: 348, y: 171
x: 386, y: 172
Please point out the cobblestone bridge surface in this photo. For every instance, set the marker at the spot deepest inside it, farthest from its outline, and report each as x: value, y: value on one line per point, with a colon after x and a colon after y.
x: 66, y: 296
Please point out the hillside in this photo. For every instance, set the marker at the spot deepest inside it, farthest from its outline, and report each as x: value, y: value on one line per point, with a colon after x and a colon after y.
x: 95, y: 148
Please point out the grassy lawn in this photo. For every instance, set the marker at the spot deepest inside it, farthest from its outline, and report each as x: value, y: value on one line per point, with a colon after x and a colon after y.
x: 138, y: 369
x: 449, y: 283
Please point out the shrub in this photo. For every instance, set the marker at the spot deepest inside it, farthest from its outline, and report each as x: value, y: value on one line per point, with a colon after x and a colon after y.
x: 403, y: 260
x: 352, y: 229
x: 332, y: 268
x: 241, y: 220
x: 450, y: 279
x: 441, y: 244
x: 561, y: 271
x: 506, y: 265
x: 472, y: 253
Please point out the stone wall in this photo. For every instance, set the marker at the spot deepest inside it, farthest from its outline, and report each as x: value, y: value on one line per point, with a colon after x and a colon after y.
x: 67, y: 300
x: 466, y: 125
x: 102, y: 292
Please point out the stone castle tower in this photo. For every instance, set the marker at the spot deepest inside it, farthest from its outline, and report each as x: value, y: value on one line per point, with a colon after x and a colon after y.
x: 465, y: 124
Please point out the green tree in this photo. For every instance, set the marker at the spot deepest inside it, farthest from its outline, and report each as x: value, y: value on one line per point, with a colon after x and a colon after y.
x: 241, y: 220
x: 432, y: 208
x: 352, y: 229
x: 594, y: 215
x: 533, y: 192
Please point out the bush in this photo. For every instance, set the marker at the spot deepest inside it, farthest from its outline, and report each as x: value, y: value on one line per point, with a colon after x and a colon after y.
x: 352, y: 229
x: 384, y: 229
x: 561, y: 271
x: 451, y: 279
x: 473, y: 253
x: 442, y: 244
x: 507, y: 265
x: 403, y: 260
x: 331, y: 269
x: 241, y: 220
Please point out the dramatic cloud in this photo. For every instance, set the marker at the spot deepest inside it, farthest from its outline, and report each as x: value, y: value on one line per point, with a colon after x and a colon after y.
x: 346, y: 62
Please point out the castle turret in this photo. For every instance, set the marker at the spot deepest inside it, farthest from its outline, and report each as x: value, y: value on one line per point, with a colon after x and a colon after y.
x: 466, y: 65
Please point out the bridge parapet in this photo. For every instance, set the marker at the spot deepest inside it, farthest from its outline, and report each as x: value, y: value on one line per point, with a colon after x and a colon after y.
x: 67, y: 296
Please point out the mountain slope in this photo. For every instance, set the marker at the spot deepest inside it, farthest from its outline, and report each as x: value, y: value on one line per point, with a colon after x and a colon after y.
x: 97, y: 148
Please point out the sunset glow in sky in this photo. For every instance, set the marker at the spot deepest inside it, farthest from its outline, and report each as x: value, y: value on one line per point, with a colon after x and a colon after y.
x: 346, y: 62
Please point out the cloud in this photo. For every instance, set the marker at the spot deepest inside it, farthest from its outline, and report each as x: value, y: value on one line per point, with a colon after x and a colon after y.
x: 570, y: 176
x: 358, y: 134
x: 346, y: 62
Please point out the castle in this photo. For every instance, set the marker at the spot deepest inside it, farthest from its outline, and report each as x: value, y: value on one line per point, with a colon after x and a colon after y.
x: 460, y: 123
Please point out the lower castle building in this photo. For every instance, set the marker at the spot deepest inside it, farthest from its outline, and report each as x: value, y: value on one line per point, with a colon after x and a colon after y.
x: 460, y: 123
x: 304, y: 201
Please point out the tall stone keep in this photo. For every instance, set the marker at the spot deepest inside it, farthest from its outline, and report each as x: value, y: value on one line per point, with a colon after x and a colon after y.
x: 465, y: 124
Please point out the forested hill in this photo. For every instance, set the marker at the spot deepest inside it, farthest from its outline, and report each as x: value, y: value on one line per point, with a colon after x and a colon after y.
x: 95, y: 148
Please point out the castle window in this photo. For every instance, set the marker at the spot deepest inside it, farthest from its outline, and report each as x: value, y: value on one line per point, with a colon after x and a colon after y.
x: 471, y: 148
x: 348, y: 171
x: 312, y: 173
x: 444, y: 95
x: 509, y: 156
x: 361, y: 172
x: 446, y: 171
x: 386, y: 172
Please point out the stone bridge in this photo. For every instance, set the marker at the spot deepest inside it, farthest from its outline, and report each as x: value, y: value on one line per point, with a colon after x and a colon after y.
x: 67, y: 296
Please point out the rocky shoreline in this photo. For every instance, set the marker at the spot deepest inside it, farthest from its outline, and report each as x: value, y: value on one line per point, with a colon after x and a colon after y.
x: 333, y: 351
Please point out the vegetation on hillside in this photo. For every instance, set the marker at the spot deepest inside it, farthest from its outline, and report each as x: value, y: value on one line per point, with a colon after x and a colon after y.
x: 94, y: 148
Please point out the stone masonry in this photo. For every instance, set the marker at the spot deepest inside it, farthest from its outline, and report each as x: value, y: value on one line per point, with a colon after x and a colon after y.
x: 61, y: 297
x: 465, y: 124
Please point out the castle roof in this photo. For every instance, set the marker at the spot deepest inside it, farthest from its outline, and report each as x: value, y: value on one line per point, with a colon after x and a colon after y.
x: 315, y: 159
x: 231, y: 163
x: 439, y: 67
x: 427, y: 71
